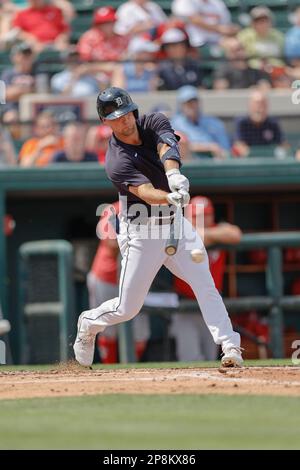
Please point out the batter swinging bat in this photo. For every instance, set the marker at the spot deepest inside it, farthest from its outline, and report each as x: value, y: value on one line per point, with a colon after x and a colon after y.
x: 175, y: 231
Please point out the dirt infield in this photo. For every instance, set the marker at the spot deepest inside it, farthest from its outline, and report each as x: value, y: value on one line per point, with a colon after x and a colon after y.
x: 72, y: 380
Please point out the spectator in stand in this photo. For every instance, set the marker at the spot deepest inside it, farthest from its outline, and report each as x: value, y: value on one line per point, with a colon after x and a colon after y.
x: 139, y: 73
x: 257, y: 129
x: 7, y: 151
x: 74, y: 150
x: 206, y: 134
x: 102, y: 283
x: 193, y: 339
x: 20, y: 78
x: 236, y: 72
x: 178, y: 68
x: 292, y: 47
x: 139, y: 16
x: 39, y: 150
x: 42, y: 25
x: 207, y: 21
x: 101, y: 42
x: 97, y: 141
x: 7, y: 12
x: 263, y: 44
x: 76, y: 79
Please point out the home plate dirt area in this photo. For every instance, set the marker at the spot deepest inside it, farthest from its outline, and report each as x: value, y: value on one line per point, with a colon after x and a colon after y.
x: 72, y: 380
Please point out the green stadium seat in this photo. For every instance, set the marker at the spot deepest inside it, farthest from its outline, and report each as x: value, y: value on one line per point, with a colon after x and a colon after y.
x: 80, y: 25
x: 4, y: 60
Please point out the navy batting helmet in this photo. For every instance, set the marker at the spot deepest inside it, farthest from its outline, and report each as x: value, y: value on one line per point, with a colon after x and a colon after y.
x: 114, y: 102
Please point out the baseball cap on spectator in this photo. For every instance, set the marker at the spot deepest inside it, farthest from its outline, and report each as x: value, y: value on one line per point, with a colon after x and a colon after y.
x: 21, y: 48
x: 187, y: 93
x: 104, y: 15
x: 199, y: 203
x: 173, y: 36
x: 140, y: 44
x: 260, y: 12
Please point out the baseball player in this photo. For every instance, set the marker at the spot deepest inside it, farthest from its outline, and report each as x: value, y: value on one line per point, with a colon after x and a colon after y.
x: 143, y: 162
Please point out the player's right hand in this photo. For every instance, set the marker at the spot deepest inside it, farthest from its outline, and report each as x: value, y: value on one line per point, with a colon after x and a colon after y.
x: 177, y: 198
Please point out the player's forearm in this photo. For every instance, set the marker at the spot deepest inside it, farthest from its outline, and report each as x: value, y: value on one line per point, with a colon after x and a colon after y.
x: 170, y: 165
x: 149, y: 194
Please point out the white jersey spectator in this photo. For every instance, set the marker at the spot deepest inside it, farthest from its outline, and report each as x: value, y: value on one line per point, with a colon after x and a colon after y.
x: 206, y: 20
x: 137, y: 16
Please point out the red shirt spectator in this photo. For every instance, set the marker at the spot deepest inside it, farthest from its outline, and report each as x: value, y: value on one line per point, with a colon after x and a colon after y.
x: 101, y: 42
x: 105, y: 264
x: 44, y: 22
x: 213, y: 233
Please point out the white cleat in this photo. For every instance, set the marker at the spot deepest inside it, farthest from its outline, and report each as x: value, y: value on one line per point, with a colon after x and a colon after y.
x: 232, y: 357
x: 84, y: 345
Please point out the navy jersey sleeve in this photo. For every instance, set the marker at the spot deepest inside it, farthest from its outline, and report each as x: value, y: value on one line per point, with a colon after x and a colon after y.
x: 125, y: 174
x: 159, y: 124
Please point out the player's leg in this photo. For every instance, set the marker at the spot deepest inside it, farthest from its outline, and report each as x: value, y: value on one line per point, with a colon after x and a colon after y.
x: 141, y: 261
x: 198, y: 276
x: 99, y: 292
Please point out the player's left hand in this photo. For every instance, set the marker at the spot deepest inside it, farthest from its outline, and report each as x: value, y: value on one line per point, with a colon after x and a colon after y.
x: 177, y: 181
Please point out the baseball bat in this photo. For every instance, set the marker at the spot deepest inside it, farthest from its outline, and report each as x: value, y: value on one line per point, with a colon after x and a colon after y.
x: 175, y: 231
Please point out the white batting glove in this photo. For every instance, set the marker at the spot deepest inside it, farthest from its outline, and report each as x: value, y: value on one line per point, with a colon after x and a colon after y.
x: 177, y: 181
x: 185, y: 197
x: 177, y: 198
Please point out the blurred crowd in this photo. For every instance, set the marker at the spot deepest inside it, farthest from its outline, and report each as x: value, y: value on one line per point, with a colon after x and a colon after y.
x: 139, y: 47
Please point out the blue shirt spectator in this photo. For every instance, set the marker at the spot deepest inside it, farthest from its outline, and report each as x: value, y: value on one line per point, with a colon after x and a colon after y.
x: 292, y: 39
x: 206, y: 134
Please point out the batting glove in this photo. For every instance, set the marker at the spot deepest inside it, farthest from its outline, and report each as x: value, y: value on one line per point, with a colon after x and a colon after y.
x: 177, y: 181
x: 177, y: 198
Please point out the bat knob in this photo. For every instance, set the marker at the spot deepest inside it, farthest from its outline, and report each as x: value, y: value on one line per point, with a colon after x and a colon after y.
x: 170, y: 250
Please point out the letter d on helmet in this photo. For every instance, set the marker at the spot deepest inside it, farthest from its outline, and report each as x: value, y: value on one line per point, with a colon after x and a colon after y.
x: 114, y: 102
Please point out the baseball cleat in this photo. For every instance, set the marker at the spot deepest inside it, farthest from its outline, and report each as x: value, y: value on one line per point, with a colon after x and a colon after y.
x: 232, y: 357
x: 84, y: 345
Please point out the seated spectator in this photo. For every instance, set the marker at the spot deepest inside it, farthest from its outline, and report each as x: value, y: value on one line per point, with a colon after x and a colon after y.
x: 7, y: 151
x: 67, y: 9
x: 20, y: 78
x: 263, y: 44
x: 206, y: 134
x: 74, y: 151
x: 7, y: 12
x: 101, y: 42
x: 139, y: 73
x: 76, y: 79
x: 207, y: 21
x: 257, y: 129
x: 39, y: 150
x: 178, y: 68
x: 97, y: 141
x: 292, y: 41
x: 139, y: 16
x: 193, y: 339
x: 236, y: 73
x: 42, y: 25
